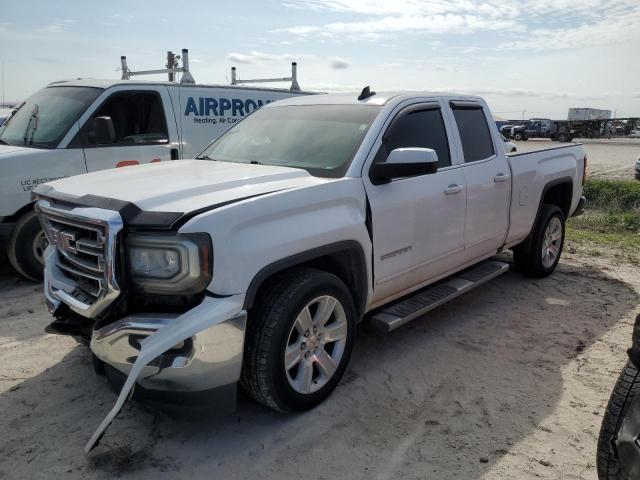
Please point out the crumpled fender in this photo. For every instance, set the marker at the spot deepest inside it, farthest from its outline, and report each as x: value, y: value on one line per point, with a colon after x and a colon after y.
x: 209, y: 313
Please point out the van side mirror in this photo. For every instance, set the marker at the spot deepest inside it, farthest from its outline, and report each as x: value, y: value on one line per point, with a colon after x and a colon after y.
x: 405, y: 162
x: 103, y: 131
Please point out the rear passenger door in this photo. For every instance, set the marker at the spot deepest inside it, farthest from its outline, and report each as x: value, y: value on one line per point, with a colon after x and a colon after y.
x: 487, y: 176
x: 417, y: 222
x: 144, y: 124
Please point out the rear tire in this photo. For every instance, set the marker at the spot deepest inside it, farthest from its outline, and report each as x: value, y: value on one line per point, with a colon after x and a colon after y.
x: 281, y: 331
x: 518, y: 137
x: 545, y: 248
x: 625, y: 390
x: 26, y: 247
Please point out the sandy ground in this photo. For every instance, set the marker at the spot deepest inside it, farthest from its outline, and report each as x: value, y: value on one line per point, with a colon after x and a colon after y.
x: 507, y: 382
x: 613, y: 158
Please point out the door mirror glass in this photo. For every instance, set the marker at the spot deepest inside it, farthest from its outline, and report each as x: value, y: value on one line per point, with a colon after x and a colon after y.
x: 103, y: 131
x: 405, y: 162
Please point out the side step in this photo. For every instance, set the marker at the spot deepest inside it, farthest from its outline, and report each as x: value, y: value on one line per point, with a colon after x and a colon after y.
x: 399, y: 313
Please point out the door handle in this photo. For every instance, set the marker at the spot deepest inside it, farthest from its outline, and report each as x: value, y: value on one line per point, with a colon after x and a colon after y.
x: 453, y: 188
x: 501, y: 177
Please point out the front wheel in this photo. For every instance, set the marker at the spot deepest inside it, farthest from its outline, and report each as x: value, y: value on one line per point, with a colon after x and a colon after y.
x: 26, y: 247
x: 299, y: 339
x: 518, y: 136
x: 543, y: 253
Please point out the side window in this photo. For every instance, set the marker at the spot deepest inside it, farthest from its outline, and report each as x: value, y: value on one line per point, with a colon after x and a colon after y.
x: 474, y: 133
x: 419, y: 128
x: 138, y: 119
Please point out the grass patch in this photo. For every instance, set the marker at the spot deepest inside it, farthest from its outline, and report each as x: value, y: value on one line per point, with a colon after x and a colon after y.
x: 612, y: 195
x: 611, y: 225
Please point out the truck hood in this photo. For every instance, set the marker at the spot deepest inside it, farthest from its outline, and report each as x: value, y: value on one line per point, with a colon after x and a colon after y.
x: 180, y: 186
x: 10, y: 149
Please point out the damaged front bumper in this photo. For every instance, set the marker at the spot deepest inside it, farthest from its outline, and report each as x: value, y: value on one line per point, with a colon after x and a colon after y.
x: 198, y: 351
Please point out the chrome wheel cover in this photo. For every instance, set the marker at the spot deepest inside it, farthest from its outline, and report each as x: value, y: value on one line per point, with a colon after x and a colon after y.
x: 40, y: 244
x: 551, y: 242
x: 315, y: 344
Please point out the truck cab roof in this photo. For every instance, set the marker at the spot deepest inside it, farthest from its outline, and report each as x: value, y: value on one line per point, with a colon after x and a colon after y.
x: 379, y: 98
x: 109, y: 83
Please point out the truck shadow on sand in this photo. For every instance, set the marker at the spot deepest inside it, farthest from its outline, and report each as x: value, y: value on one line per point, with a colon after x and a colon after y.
x: 445, y: 396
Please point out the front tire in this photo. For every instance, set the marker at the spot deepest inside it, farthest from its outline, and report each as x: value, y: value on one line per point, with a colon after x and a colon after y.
x: 625, y: 390
x: 518, y: 137
x: 26, y: 247
x: 543, y: 253
x: 299, y: 340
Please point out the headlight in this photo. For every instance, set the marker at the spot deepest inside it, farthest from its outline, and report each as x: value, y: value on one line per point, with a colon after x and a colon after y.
x: 178, y: 264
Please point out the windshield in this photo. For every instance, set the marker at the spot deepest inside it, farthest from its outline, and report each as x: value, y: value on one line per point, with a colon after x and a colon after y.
x: 46, y: 116
x: 321, y: 139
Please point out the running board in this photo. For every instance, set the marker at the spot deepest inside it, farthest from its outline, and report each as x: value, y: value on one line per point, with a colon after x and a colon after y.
x: 421, y: 302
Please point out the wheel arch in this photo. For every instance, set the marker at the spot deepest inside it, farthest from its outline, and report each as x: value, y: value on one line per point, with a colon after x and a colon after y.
x: 345, y: 259
x: 19, y: 213
x: 557, y: 192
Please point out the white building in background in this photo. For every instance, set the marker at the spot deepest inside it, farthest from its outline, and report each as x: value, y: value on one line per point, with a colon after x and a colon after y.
x: 588, y: 114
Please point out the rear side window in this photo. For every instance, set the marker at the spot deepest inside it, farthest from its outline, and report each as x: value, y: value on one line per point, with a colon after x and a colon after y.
x: 474, y: 133
x: 422, y: 129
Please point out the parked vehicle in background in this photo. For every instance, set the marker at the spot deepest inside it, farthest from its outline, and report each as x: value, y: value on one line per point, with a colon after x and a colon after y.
x: 254, y: 263
x: 618, y: 455
x: 508, y: 145
x: 638, y: 169
x: 559, y: 130
x: 588, y: 114
x: 81, y: 126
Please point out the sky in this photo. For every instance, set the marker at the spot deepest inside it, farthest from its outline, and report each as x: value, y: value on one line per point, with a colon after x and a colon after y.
x: 528, y: 58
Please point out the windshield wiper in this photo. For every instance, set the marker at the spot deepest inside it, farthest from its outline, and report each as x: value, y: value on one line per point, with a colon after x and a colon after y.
x: 5, y: 142
x: 205, y: 157
x: 32, y: 126
x: 256, y: 162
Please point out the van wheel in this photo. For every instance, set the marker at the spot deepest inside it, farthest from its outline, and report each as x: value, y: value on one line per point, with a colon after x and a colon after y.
x: 299, y: 339
x: 625, y: 390
x: 545, y: 248
x: 27, y: 244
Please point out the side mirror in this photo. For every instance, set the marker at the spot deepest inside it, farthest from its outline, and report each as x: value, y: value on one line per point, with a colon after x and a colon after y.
x: 103, y: 131
x: 405, y: 162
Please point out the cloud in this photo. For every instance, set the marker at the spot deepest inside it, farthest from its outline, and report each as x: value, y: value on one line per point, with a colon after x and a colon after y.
x: 338, y: 63
x: 255, y: 57
x: 531, y: 23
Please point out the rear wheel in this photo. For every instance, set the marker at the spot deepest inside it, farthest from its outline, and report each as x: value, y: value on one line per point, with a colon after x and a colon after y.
x: 26, y: 247
x: 299, y: 339
x: 543, y: 253
x: 626, y: 389
x: 518, y: 136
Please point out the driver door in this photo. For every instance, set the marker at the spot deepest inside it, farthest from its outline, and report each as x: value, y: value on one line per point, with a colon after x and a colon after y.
x: 144, y: 129
x: 417, y: 222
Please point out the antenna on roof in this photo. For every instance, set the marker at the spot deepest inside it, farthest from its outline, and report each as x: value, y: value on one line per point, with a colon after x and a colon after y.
x: 366, y: 93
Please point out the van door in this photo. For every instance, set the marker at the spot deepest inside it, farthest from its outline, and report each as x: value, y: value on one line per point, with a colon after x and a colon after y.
x: 417, y: 222
x: 487, y: 176
x: 137, y: 125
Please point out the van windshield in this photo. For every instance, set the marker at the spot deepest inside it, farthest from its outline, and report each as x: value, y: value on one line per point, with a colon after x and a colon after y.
x: 46, y: 116
x: 321, y: 139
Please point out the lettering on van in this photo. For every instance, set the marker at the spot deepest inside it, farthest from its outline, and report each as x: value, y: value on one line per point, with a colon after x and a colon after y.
x: 29, y: 184
x: 220, y: 110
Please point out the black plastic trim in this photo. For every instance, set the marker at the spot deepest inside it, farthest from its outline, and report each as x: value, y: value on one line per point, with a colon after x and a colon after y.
x: 131, y: 214
x: 360, y: 271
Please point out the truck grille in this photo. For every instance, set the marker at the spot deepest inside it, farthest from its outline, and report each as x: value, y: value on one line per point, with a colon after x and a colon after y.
x: 80, y: 271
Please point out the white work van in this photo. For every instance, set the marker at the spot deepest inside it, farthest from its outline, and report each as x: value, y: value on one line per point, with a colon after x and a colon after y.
x: 81, y: 126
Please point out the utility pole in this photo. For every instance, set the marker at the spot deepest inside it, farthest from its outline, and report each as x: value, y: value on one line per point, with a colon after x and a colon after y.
x: 3, y: 105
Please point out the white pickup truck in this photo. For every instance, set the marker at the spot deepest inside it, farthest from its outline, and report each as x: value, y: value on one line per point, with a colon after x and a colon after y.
x: 254, y: 263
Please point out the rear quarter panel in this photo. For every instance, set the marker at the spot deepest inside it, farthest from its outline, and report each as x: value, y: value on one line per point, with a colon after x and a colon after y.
x: 531, y: 173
